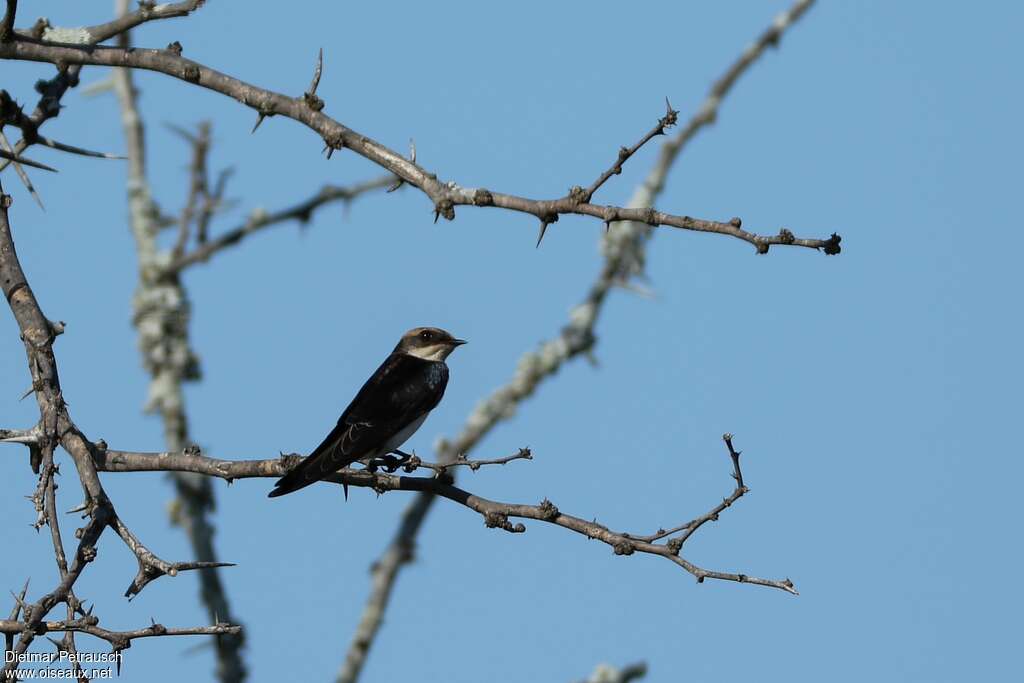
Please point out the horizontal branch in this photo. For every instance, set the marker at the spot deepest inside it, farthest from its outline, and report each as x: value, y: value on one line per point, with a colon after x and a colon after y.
x: 495, y: 514
x: 444, y: 195
x: 88, y: 624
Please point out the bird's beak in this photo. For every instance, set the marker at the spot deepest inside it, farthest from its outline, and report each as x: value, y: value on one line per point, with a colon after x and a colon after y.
x: 457, y: 342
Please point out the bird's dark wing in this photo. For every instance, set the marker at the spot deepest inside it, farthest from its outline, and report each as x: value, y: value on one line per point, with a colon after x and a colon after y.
x: 402, y: 390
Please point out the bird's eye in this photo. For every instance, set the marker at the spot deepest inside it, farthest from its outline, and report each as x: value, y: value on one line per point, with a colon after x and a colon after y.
x: 425, y: 335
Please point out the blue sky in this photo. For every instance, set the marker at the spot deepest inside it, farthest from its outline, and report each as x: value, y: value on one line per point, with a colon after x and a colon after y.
x: 873, y: 394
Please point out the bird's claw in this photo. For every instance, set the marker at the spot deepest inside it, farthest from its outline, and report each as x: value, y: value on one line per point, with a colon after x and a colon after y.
x: 390, y: 462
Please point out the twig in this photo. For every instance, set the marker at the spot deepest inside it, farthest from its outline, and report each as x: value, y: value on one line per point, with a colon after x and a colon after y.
x: 259, y: 219
x: 125, y: 21
x: 119, y: 640
x: 666, y: 121
x: 198, y: 186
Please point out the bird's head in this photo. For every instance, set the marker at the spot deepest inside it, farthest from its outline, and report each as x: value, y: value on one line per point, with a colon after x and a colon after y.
x: 428, y: 343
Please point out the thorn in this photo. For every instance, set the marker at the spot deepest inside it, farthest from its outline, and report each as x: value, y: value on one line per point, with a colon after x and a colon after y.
x: 317, y: 72
x: 310, y: 96
x: 25, y: 180
x: 412, y: 150
x: 540, y: 235
x: 81, y: 151
x: 81, y: 507
x: 259, y: 120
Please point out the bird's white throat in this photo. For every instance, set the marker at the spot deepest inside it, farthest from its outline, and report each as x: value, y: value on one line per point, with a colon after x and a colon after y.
x: 432, y: 352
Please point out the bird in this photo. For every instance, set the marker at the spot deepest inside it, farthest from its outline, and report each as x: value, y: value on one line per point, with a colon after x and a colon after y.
x: 389, y: 408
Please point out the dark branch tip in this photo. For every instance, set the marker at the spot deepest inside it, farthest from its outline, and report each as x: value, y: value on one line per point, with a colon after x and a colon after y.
x: 671, y: 115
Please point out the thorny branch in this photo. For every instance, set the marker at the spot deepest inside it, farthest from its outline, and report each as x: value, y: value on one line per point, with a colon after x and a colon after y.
x: 119, y: 640
x: 56, y: 427
x: 495, y: 514
x: 445, y: 196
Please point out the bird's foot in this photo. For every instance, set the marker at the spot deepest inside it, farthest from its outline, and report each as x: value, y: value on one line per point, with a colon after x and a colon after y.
x: 391, y: 461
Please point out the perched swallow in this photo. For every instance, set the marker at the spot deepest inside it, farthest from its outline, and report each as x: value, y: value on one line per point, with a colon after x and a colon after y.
x: 389, y: 408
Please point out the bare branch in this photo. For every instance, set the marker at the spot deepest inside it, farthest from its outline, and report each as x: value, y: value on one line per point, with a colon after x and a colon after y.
x: 89, y: 625
x: 666, y: 121
x: 259, y: 219
x: 444, y: 196
x: 198, y: 186
x: 91, y: 35
x: 496, y: 514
